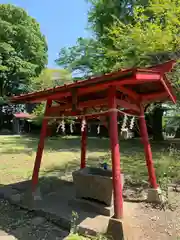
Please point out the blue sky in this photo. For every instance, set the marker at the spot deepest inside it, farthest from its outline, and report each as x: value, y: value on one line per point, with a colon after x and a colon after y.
x: 61, y: 21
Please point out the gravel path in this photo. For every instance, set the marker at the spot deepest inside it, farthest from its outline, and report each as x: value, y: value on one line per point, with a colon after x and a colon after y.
x: 142, y: 221
x: 19, y: 224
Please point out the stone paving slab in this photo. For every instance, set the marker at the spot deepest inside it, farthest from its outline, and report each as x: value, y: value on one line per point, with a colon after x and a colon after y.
x: 55, y: 205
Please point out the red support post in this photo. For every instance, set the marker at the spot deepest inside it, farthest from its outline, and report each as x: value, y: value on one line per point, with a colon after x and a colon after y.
x: 147, y: 149
x: 83, y: 145
x: 116, y: 172
x: 40, y: 148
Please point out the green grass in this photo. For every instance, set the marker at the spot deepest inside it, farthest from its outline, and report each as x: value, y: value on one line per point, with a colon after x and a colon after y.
x: 62, y: 156
x: 78, y: 237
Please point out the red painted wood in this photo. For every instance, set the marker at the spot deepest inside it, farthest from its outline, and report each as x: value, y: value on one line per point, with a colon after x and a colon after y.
x: 147, y: 149
x: 116, y: 172
x: 83, y: 147
x: 152, y: 96
x: 55, y: 110
x: 144, y: 77
x: 64, y: 91
x: 126, y: 105
x: 90, y: 116
x: 130, y: 93
x: 141, y: 78
x: 168, y: 87
x: 40, y: 149
x: 81, y: 105
x: 163, y: 67
x: 97, y: 84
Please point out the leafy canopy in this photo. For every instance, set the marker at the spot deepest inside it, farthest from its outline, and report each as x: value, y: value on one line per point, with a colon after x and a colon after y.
x: 50, y: 78
x: 85, y: 58
x: 152, y: 39
x: 23, y: 49
x: 148, y: 33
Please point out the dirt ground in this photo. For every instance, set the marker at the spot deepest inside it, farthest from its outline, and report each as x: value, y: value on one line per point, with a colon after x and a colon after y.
x: 142, y: 221
x: 60, y: 159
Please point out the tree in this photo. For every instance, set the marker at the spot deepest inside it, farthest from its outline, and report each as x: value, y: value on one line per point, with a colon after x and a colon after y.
x: 50, y: 78
x: 88, y: 55
x: 151, y: 39
x: 86, y: 58
x: 102, y: 12
x: 23, y: 50
x: 146, y: 35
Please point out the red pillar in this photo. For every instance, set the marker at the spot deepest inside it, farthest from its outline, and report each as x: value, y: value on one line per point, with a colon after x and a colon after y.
x: 116, y: 172
x: 40, y: 149
x: 147, y: 149
x: 83, y: 146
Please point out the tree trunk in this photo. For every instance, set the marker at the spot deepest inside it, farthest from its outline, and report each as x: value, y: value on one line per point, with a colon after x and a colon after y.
x: 177, y: 133
x: 157, y: 123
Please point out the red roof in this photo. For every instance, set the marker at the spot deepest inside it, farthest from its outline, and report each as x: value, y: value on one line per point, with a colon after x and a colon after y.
x: 140, y: 85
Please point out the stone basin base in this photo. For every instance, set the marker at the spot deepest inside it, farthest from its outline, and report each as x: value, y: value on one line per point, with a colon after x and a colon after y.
x: 95, y: 184
x: 92, y: 206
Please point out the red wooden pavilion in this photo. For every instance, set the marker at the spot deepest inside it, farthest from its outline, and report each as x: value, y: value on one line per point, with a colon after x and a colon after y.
x: 129, y: 90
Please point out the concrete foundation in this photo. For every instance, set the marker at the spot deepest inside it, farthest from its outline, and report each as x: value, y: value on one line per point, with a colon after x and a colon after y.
x: 155, y: 196
x: 92, y: 206
x: 57, y: 204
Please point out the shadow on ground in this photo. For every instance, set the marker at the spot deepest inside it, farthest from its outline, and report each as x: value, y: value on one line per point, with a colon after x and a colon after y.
x: 24, y: 222
x: 53, y: 210
x: 52, y: 217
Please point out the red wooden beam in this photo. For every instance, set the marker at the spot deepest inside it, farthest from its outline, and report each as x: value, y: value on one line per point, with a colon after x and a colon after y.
x: 139, y: 79
x: 147, y: 149
x: 65, y: 90
x: 81, y: 105
x: 116, y: 172
x: 168, y: 89
x: 80, y: 114
x: 164, y: 67
x: 98, y: 83
x: 126, y: 105
x: 56, y: 110
x: 144, y: 77
x: 154, y: 96
x: 130, y: 93
x: 40, y: 149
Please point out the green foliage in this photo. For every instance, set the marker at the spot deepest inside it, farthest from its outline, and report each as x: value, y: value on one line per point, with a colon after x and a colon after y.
x: 50, y: 78
x: 23, y: 50
x: 39, y: 113
x: 127, y: 34
x: 87, y: 57
x: 102, y: 12
x: 152, y: 39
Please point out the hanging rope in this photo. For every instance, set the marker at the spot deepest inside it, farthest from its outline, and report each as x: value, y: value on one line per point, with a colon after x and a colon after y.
x: 98, y: 129
x: 71, y: 128
x: 100, y: 113
x: 57, y: 130
x: 124, y: 123
x: 83, y: 125
x: 132, y: 123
